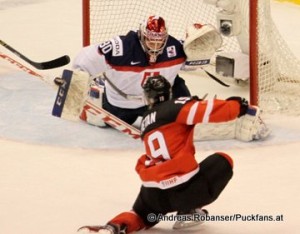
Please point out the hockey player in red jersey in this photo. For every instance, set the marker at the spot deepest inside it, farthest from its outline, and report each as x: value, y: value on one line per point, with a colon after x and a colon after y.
x: 172, y: 179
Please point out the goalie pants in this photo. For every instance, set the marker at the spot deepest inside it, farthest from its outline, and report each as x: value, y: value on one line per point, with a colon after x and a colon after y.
x: 179, y: 89
x: 204, y: 188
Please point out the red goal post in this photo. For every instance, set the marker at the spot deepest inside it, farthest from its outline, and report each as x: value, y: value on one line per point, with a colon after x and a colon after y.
x: 253, y: 50
x: 274, y: 70
x: 86, y: 40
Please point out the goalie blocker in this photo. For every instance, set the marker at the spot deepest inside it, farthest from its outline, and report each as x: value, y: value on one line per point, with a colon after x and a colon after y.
x: 79, y: 97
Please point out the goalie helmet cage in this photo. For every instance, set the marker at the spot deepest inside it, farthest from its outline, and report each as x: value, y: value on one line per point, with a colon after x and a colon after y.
x: 274, y: 70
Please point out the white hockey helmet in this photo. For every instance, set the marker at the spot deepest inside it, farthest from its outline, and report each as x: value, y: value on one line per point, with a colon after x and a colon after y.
x: 153, y: 36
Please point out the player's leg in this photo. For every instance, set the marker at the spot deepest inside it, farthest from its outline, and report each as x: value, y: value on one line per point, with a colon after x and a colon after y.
x: 94, y: 96
x: 218, y: 170
x: 151, y: 204
x: 204, y: 188
x: 146, y: 203
x: 124, y: 223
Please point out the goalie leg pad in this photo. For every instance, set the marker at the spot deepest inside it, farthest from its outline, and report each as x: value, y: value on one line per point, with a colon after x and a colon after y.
x: 247, y: 128
x: 95, y: 96
x: 215, y: 131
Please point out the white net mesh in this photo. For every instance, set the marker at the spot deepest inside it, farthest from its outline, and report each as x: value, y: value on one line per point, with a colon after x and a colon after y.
x: 278, y: 68
x: 116, y: 17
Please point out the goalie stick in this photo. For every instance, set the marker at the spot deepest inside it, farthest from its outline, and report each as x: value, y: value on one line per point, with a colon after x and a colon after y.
x: 215, y: 78
x: 112, y: 120
x: 209, y: 74
x: 19, y: 65
x: 124, y: 95
x: 58, y: 62
x: 107, y: 117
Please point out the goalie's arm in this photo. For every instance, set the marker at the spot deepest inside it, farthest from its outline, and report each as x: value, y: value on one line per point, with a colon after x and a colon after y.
x: 90, y: 60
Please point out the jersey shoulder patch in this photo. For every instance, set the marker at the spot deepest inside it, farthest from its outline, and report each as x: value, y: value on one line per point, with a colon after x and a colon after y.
x: 174, y: 47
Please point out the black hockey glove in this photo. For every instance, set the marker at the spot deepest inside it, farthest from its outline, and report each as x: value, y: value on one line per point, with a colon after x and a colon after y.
x: 243, y: 104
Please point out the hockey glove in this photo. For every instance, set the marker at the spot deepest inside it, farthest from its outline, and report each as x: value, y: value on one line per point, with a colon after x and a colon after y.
x: 243, y: 104
x: 201, y: 43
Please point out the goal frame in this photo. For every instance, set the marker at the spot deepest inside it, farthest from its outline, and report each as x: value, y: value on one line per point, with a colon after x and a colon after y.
x: 86, y: 22
x: 253, y: 51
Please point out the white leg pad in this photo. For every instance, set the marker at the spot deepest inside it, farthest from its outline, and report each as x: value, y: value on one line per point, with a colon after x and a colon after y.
x: 246, y: 128
x: 95, y: 96
x: 215, y: 131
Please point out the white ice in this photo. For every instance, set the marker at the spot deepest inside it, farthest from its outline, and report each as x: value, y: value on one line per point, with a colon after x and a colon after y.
x: 56, y: 175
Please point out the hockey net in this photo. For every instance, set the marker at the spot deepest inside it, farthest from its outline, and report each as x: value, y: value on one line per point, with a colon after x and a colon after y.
x: 274, y: 70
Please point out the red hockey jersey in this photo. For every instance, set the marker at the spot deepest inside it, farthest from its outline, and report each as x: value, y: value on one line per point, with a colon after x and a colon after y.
x: 167, y: 134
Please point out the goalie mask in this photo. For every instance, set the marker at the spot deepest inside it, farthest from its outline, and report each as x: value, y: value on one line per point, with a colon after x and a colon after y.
x: 153, y: 36
x: 157, y: 89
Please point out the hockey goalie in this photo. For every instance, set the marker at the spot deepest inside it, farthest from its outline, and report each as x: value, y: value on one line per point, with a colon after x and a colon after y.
x: 106, y: 82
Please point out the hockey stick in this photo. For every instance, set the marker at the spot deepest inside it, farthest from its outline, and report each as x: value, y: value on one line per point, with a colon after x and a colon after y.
x: 113, y: 121
x: 199, y: 64
x: 124, y: 95
x: 19, y: 65
x: 58, y: 62
x: 215, y: 78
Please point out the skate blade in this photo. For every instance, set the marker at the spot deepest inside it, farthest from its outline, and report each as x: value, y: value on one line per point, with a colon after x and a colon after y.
x: 182, y: 225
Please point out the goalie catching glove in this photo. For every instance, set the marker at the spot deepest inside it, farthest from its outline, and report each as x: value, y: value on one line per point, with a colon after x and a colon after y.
x: 200, y: 44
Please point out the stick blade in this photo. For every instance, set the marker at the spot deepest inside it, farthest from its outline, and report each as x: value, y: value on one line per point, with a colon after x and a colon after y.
x: 216, y: 79
x: 58, y: 62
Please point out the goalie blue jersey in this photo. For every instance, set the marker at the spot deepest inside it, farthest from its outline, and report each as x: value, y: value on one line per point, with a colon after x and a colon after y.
x: 127, y: 51
x: 125, y: 63
x: 130, y: 67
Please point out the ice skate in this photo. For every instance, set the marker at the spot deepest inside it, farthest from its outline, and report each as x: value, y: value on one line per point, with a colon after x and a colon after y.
x: 190, y: 219
x: 106, y: 229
